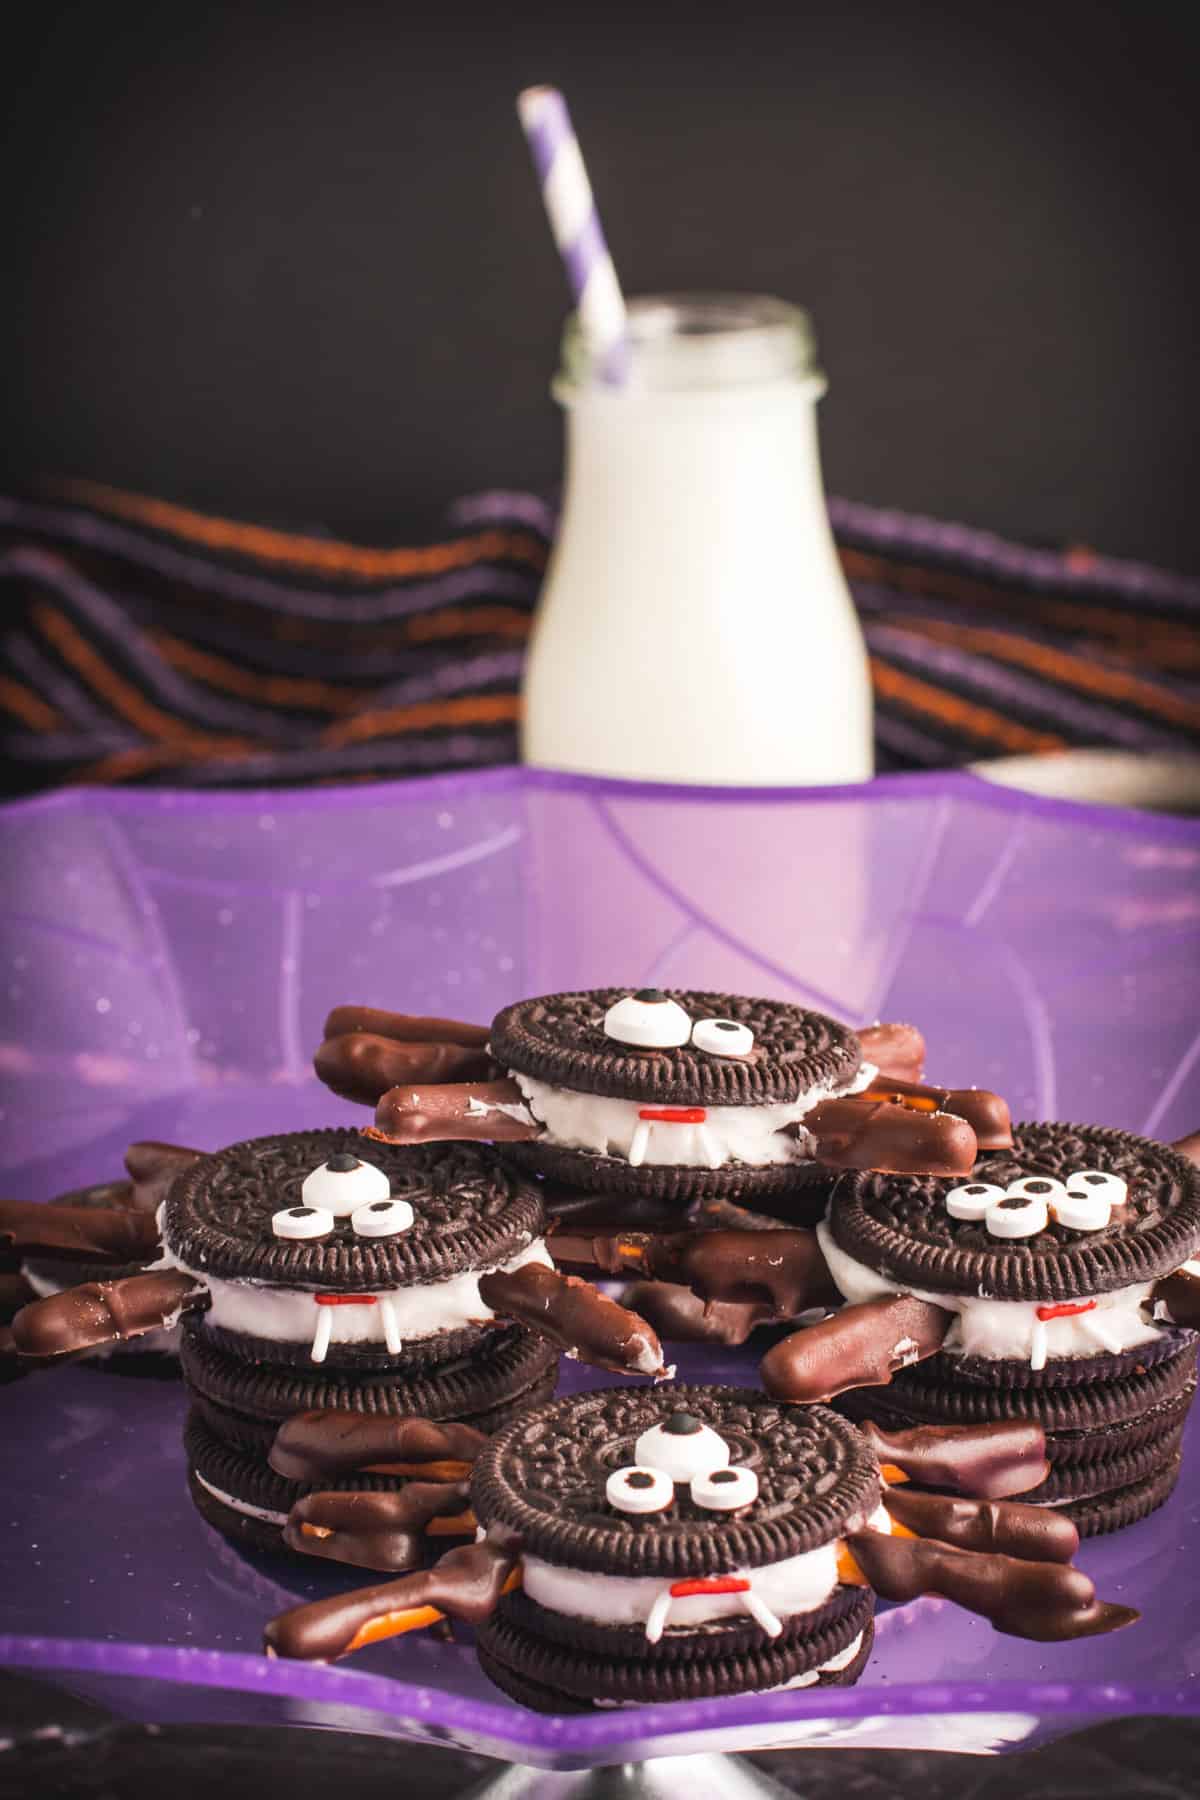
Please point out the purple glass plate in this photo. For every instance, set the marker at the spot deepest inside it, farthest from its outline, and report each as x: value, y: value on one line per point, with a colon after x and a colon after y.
x: 167, y: 960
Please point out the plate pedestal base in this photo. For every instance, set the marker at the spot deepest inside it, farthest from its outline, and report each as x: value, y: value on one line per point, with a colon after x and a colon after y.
x: 664, y: 1778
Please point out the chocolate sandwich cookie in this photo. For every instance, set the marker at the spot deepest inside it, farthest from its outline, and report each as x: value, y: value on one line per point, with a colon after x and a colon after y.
x: 1060, y: 1278
x: 683, y: 1095
x: 313, y: 1254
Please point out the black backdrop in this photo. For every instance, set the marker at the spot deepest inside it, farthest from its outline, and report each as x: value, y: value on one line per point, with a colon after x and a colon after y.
x: 289, y: 260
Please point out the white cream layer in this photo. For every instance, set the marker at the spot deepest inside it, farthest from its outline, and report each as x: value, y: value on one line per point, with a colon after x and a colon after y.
x: 164, y: 1339
x: 794, y: 1585
x: 288, y: 1315
x: 755, y: 1135
x: 242, y: 1506
x: 1009, y: 1329
x: 798, y: 1584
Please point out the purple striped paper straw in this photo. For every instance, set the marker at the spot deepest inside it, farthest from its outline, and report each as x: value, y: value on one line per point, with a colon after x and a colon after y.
x: 571, y: 209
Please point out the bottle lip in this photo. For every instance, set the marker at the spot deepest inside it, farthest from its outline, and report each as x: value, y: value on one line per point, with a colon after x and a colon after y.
x: 688, y: 342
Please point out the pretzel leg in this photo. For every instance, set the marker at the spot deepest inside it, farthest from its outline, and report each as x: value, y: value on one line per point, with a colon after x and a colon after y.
x: 105, y: 1312
x: 573, y: 1314
x: 861, y: 1346
x: 466, y: 1584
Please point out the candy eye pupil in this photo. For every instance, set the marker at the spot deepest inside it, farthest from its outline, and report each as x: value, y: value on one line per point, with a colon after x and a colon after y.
x: 1037, y: 1187
x: 639, y: 1480
x: 723, y: 1475
x: 301, y: 1212
x: 379, y: 1206
x: 1012, y: 1203
x: 649, y: 996
x: 682, y: 1424
x: 975, y: 1188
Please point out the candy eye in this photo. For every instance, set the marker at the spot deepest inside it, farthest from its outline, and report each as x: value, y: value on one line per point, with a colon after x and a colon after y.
x: 725, y: 1489
x: 973, y: 1200
x: 637, y: 1490
x: 648, y: 1020
x: 683, y: 1447
x: 343, y: 1184
x: 1089, y: 1200
x: 302, y: 1222
x: 1025, y: 1208
x: 722, y: 1037
x: 382, y: 1218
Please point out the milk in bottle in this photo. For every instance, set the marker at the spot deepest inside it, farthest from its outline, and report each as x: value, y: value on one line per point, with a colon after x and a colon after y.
x: 695, y: 625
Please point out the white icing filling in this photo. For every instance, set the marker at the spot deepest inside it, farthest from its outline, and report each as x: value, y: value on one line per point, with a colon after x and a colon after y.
x: 797, y: 1584
x: 242, y: 1506
x: 756, y: 1135
x: 1009, y: 1328
x: 163, y: 1339
x: 289, y: 1314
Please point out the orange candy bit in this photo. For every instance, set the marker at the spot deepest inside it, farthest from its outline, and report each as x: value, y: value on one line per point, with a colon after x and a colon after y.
x: 891, y: 1474
x: 848, y: 1571
x: 317, y: 1531
x: 452, y: 1525
x: 430, y: 1471
x: 514, y: 1580
x: 393, y: 1624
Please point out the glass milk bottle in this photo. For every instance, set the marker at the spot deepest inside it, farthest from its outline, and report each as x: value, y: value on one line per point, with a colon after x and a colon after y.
x: 695, y: 625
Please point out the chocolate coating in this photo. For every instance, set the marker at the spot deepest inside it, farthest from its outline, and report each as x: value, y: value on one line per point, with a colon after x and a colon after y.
x: 1189, y: 1146
x: 152, y: 1167
x: 681, y: 1317
x: 105, y: 1312
x: 320, y: 1445
x: 1035, y: 1533
x: 374, y: 1530
x: 575, y: 1315
x: 1038, y: 1600
x: 896, y: 1050
x: 860, y: 1133
x: 862, y: 1346
x: 81, y: 1233
x: 986, y: 1113
x: 990, y: 1461
x: 780, y: 1271
x: 404, y: 1028
x: 362, y: 1065
x: 1180, y: 1294
x: 465, y: 1584
x: 443, y: 1113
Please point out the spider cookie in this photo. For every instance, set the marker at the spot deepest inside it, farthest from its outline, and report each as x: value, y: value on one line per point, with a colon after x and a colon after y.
x: 638, y: 1546
x: 676, y: 1095
x: 1055, y: 1283
x: 414, y: 1283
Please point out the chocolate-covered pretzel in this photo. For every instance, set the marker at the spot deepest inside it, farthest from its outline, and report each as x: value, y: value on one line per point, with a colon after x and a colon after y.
x: 862, y: 1346
x: 470, y: 1111
x: 992, y: 1461
x: 378, y: 1530
x: 105, y: 1312
x: 588, y: 1325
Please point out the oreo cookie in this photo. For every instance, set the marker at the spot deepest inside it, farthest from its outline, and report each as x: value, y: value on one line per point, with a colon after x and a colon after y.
x: 1050, y: 1260
x: 675, y: 1545
x: 315, y: 1253
x: 676, y: 1094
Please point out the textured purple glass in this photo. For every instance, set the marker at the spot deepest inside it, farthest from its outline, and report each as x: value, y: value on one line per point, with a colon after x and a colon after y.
x: 166, y: 961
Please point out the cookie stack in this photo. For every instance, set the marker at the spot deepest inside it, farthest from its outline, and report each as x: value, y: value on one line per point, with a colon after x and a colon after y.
x: 1045, y: 1263
x: 334, y: 1281
x: 676, y: 1545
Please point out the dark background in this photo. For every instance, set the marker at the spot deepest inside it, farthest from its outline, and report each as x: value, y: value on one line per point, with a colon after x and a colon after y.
x: 289, y: 260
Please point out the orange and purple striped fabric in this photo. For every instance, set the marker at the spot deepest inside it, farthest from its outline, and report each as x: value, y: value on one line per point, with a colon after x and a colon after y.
x: 146, y: 642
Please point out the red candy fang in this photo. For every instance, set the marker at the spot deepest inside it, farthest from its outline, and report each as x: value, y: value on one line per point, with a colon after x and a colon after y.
x: 1067, y: 1309
x: 714, y: 1584
x: 673, y: 1115
x: 345, y: 1299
